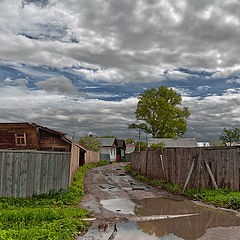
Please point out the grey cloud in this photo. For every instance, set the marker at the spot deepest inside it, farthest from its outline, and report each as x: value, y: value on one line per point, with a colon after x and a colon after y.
x: 59, y: 84
x: 65, y: 113
x: 129, y: 36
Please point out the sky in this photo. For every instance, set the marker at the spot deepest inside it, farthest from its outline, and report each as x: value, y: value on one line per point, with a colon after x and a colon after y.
x: 79, y: 65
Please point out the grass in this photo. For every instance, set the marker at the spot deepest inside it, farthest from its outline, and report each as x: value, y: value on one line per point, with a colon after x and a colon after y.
x: 219, y: 198
x: 48, y: 216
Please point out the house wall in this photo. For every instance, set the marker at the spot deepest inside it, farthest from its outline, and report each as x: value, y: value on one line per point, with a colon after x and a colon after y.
x: 24, y: 173
x: 7, y: 136
x: 53, y: 142
x: 111, y: 151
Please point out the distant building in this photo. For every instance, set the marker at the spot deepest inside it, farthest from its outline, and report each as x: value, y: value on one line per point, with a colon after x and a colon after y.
x: 174, y: 142
x: 130, y: 148
x: 109, y: 146
x: 121, y: 149
x: 203, y: 144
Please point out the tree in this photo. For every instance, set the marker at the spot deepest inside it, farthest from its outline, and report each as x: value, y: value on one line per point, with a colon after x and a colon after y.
x: 91, y: 143
x: 230, y: 135
x: 160, y: 113
x: 216, y: 143
x: 129, y: 140
x: 143, y: 146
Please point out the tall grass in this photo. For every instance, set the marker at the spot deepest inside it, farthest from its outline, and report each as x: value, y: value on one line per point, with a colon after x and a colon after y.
x: 48, y: 216
x: 218, y: 197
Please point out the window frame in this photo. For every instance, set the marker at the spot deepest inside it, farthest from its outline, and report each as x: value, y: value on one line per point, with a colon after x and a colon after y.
x: 22, y: 137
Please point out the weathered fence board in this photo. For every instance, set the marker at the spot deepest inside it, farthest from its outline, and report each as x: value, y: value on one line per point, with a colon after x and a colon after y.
x: 24, y: 173
x: 213, y: 167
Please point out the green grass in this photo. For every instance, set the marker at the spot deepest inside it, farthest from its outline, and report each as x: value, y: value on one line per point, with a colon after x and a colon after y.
x: 220, y: 198
x: 48, y: 216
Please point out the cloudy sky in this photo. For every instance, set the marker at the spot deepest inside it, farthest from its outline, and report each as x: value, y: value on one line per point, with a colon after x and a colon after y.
x: 79, y: 65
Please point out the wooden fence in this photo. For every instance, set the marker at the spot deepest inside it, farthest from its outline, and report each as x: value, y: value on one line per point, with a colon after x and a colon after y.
x: 24, y: 173
x: 92, y: 157
x: 217, y: 167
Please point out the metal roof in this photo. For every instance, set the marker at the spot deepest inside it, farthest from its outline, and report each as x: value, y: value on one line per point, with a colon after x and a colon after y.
x: 107, y: 142
x: 174, y: 142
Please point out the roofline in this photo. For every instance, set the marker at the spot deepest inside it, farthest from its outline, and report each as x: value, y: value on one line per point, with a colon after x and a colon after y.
x: 37, y: 126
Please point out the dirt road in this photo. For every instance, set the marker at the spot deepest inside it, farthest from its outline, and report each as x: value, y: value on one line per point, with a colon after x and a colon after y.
x: 125, y: 208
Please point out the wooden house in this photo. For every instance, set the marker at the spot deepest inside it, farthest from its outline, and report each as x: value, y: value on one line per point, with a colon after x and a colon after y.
x: 109, y: 146
x: 121, y: 149
x: 30, y: 136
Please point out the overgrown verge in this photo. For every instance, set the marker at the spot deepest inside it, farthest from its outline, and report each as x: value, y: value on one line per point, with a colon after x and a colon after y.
x: 48, y: 216
x: 219, y: 198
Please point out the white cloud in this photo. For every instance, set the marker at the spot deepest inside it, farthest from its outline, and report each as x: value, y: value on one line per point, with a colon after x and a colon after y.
x: 210, y: 114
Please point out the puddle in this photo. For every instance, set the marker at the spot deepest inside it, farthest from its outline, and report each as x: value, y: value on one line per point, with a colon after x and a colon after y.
x: 167, y: 219
x: 119, y: 205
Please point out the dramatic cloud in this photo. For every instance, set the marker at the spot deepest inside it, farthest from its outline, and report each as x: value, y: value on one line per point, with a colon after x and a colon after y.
x: 55, y: 50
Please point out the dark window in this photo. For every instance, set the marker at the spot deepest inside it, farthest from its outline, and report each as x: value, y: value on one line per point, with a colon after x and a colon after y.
x: 20, y: 139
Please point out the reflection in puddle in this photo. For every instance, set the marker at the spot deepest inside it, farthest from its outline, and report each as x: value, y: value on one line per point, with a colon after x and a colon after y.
x: 187, y: 227
x: 126, y: 231
x: 119, y: 205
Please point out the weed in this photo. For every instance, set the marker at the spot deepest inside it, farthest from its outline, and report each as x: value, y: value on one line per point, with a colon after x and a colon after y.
x: 48, y: 216
x: 218, y: 197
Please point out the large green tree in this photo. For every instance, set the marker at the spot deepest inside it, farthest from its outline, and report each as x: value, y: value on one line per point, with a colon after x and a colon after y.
x: 160, y: 114
x: 229, y: 136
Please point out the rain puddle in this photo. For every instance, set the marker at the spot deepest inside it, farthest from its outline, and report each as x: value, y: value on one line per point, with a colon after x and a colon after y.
x: 119, y: 205
x: 165, y: 219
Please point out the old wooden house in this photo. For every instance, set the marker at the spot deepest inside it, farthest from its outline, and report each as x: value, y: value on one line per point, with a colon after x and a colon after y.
x: 31, y: 136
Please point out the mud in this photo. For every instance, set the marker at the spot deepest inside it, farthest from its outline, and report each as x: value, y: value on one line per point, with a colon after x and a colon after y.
x: 125, y: 208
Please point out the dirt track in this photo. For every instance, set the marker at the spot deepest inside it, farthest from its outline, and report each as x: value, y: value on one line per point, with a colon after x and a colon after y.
x: 110, y: 182
x: 122, y: 204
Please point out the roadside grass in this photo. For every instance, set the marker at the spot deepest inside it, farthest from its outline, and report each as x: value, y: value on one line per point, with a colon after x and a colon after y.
x: 219, y: 198
x: 48, y: 216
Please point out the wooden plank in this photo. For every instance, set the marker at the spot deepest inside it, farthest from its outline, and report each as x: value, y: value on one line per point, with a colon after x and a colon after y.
x: 236, y: 168
x: 16, y: 176
x: 50, y: 179
x: 37, y: 180
x: 231, y: 172
x: 189, y: 173
x: 9, y: 174
x: 30, y: 174
x: 65, y: 172
x: 2, y: 178
x: 198, y: 168
x: 23, y: 175
x: 44, y: 167
x: 211, y: 174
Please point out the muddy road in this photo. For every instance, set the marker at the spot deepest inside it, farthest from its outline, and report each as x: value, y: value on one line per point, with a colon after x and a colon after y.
x: 125, y: 208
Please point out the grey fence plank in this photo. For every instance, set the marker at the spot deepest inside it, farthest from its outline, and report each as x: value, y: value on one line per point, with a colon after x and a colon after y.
x: 24, y: 173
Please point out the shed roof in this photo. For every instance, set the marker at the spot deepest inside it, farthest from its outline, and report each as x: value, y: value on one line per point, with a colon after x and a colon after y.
x: 108, y: 142
x: 174, y: 142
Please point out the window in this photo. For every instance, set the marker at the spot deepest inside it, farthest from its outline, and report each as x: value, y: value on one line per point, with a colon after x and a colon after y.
x: 20, y: 139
